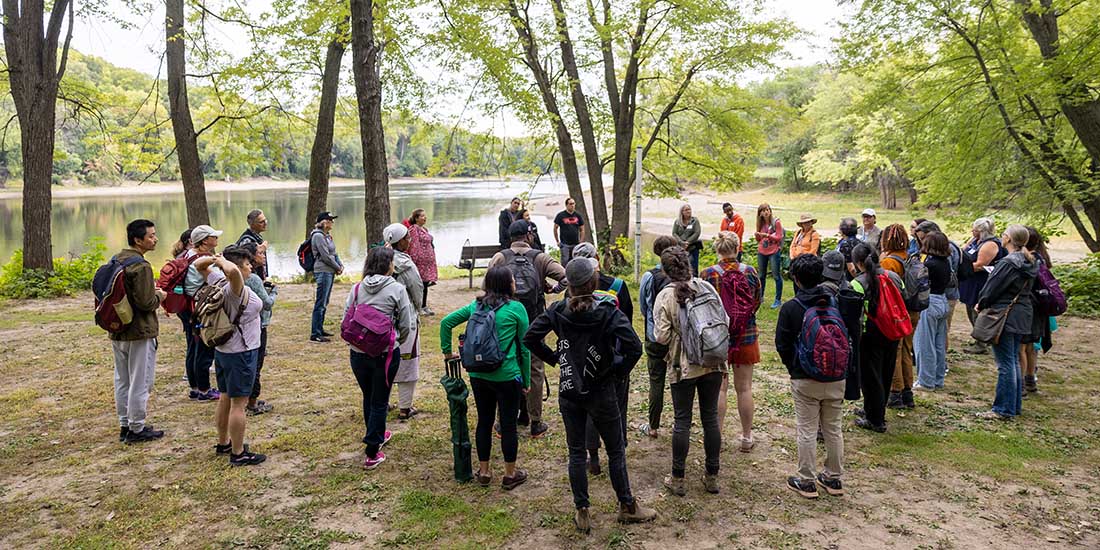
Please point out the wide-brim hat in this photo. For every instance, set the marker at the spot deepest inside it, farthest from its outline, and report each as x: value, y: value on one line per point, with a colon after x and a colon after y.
x: 806, y: 218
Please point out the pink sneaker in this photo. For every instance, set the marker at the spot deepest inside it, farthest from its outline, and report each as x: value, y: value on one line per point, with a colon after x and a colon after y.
x: 386, y: 437
x: 372, y: 463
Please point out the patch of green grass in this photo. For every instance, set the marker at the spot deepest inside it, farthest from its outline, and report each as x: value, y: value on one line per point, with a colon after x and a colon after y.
x: 296, y: 533
x: 999, y: 455
x: 424, y: 518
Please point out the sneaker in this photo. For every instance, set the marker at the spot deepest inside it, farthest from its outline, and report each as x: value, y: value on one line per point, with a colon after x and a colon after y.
x: 372, y: 463
x: 776, y: 304
x: 260, y: 408
x: 320, y: 339
x: 992, y: 415
x: 895, y: 401
x: 246, y: 458
x: 804, y: 487
x: 211, y: 394
x: 867, y: 425
x: 907, y: 399
x: 975, y: 348
x: 146, y: 434
x: 636, y: 513
x: 1031, y: 384
x: 918, y: 387
x: 523, y: 419
x: 386, y: 437
x: 539, y: 429
x: 427, y: 312
x: 195, y: 395
x: 831, y: 486
x: 860, y: 412
x: 746, y: 444
x: 710, y: 483
x: 582, y: 520
x: 227, y: 448
x: 676, y: 485
x: 509, y: 483
x: 122, y: 433
x: 326, y: 333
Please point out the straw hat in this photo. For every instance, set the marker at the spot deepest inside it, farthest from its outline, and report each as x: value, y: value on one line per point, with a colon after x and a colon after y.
x: 806, y: 218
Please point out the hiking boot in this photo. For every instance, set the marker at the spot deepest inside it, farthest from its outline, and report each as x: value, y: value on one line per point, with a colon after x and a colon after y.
x: 804, y: 487
x: 710, y: 483
x: 246, y: 458
x: 676, y: 485
x: 122, y: 433
x: 636, y: 513
x: 907, y: 399
x: 832, y: 486
x: 372, y: 463
x: 509, y: 483
x: 895, y: 401
x: 320, y: 339
x: 146, y: 434
x: 867, y: 425
x: 583, y: 520
x: 539, y: 429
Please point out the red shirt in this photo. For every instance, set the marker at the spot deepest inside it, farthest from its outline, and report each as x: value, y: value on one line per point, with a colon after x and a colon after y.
x: 737, y: 225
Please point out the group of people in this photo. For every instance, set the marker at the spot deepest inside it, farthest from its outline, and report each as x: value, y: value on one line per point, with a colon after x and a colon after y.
x: 868, y: 319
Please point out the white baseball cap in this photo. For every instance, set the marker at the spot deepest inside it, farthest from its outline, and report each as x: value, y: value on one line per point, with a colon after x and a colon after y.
x: 201, y: 232
x: 394, y: 232
x: 869, y: 212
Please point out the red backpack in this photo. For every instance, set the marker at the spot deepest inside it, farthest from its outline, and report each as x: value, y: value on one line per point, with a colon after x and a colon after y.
x: 171, y: 280
x: 891, y: 317
x: 739, y: 301
x: 113, y: 312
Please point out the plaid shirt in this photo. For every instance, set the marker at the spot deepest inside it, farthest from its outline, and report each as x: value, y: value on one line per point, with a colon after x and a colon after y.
x: 712, y: 276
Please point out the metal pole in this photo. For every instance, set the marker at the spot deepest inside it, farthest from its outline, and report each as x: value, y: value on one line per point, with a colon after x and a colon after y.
x: 638, y: 215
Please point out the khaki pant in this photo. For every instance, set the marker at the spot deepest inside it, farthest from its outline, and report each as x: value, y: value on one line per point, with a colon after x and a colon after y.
x: 534, y: 395
x: 819, y: 404
x: 903, y: 368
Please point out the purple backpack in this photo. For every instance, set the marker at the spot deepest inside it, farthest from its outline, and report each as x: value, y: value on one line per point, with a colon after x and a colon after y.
x: 1048, y: 293
x: 369, y: 330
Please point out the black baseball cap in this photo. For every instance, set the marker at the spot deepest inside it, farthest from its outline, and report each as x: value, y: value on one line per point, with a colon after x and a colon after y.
x: 519, y: 227
x: 326, y: 215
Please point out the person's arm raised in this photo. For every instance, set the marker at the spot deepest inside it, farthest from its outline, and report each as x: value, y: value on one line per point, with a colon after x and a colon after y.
x: 232, y: 274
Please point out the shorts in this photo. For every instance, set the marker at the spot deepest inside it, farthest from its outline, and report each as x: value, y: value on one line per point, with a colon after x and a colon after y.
x: 747, y: 354
x: 236, y: 372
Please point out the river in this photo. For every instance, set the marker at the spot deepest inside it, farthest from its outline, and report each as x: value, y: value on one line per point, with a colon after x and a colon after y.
x: 457, y: 212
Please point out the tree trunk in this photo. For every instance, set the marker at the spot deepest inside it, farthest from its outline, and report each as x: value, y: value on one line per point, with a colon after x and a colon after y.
x: 366, y: 53
x: 320, y: 157
x: 187, y: 141
x: 34, y: 76
x: 624, y: 132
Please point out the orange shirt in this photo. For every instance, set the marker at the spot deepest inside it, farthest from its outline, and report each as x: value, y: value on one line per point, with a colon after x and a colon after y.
x: 891, y: 264
x: 737, y: 225
x: 805, y: 243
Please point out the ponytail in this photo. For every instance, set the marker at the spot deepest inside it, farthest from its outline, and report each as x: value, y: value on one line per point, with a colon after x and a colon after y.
x: 866, y: 257
x: 675, y: 263
x: 1019, y: 236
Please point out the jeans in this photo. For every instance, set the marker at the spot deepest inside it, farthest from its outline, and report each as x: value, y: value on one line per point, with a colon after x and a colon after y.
x: 930, y: 342
x: 600, y: 408
x: 261, y: 353
x: 709, y: 387
x: 655, y: 363
x: 819, y: 404
x: 320, y: 304
x: 621, y: 389
x: 199, y: 356
x: 1008, y: 400
x: 763, y: 261
x: 877, y: 356
x: 693, y: 255
x: 488, y: 397
x: 566, y: 253
x: 135, y: 370
x: 370, y: 373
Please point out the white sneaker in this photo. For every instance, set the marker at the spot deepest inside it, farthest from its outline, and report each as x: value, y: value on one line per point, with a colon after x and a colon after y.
x: 918, y: 387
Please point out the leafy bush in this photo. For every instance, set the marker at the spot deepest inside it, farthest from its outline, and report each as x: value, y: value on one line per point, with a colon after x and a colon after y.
x: 707, y: 256
x: 1081, y: 283
x: 67, y: 277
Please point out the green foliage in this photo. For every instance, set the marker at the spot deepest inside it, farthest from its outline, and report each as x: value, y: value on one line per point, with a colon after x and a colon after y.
x: 707, y: 256
x: 1081, y: 283
x: 68, y: 276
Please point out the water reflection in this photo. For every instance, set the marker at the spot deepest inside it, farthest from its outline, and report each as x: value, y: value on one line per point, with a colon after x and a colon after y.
x: 456, y: 212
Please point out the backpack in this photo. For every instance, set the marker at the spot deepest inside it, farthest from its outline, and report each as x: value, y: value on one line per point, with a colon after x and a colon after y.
x: 917, y: 285
x: 585, y: 359
x: 529, y: 285
x: 611, y: 295
x: 171, y: 280
x: 211, y: 317
x: 823, y: 348
x: 954, y: 261
x: 660, y: 281
x: 113, y: 312
x: 738, y: 300
x: 891, y: 317
x: 1049, y: 297
x: 704, y: 328
x: 369, y: 330
x: 306, y: 259
x: 480, y: 350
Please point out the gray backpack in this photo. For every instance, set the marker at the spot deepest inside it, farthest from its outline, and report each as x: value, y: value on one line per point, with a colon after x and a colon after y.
x: 704, y: 328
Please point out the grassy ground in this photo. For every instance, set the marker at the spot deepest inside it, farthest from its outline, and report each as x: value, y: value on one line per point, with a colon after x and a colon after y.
x: 938, y: 479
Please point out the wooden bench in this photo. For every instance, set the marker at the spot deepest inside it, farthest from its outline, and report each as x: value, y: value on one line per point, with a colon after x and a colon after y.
x: 474, y: 253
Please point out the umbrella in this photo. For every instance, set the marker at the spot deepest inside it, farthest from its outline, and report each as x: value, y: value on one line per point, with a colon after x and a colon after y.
x: 460, y: 429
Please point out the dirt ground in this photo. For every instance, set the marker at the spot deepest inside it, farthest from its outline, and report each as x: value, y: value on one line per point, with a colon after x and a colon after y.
x: 940, y: 478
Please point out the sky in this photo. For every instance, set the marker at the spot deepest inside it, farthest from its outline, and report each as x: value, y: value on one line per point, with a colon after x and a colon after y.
x: 140, y: 45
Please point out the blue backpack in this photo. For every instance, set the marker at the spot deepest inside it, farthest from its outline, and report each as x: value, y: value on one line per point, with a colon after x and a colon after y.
x: 823, y: 347
x: 480, y: 345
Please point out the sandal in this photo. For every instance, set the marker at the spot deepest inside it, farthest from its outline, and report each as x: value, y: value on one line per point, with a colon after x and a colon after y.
x: 408, y: 413
x: 484, y: 481
x: 647, y: 430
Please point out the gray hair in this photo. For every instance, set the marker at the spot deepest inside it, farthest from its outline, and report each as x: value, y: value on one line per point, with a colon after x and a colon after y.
x: 253, y: 215
x: 584, y: 250
x: 928, y: 226
x: 984, y: 226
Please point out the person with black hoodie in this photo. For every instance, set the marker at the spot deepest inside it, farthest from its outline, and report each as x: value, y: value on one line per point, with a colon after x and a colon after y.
x: 815, y: 403
x: 877, y: 354
x: 586, y: 320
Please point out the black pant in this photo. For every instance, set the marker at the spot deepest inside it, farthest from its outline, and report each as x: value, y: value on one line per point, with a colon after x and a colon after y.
x: 655, y: 363
x: 621, y: 390
x: 488, y: 396
x: 709, y: 387
x: 601, y: 408
x: 876, y: 370
x: 259, y: 363
x: 371, y: 374
x: 426, y: 285
x: 199, y: 355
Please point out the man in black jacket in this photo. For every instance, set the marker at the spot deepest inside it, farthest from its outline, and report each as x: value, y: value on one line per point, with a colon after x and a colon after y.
x: 815, y: 403
x: 507, y: 216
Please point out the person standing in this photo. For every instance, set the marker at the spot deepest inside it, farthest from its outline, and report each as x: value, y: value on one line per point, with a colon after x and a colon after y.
x: 568, y: 229
x: 375, y: 373
x: 954, y: 262
x: 930, y: 337
x: 877, y: 353
x: 1042, y: 326
x: 807, y: 240
x: 422, y: 252
x: 869, y: 232
x: 507, y: 217
x: 732, y: 221
x: 397, y: 236
x: 266, y: 292
x: 257, y: 224
x: 326, y: 267
x: 135, y: 346
x: 589, y: 322
x: 846, y: 244
x: 769, y: 247
x: 914, y: 240
x: 687, y: 379
x: 687, y: 229
x: 894, y: 243
x: 653, y: 281
x: 530, y: 269
x: 200, y: 357
x: 983, y: 251
x: 536, y: 241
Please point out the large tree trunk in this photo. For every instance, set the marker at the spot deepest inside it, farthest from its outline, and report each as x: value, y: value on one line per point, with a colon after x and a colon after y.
x: 624, y: 131
x: 320, y: 157
x: 34, y: 75
x: 187, y: 141
x: 366, y: 53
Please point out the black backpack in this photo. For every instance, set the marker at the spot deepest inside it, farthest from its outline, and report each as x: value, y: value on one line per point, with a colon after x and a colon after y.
x: 529, y: 286
x: 585, y: 358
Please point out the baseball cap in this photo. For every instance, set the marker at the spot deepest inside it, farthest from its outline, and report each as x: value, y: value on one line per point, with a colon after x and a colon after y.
x: 519, y: 227
x: 834, y: 265
x: 584, y: 250
x: 394, y: 232
x: 869, y: 212
x: 326, y: 215
x: 201, y: 232
x: 580, y: 270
